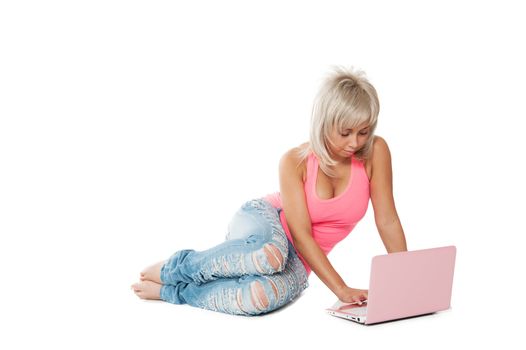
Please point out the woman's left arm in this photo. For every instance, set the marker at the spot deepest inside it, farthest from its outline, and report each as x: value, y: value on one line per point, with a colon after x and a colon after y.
x: 381, y: 187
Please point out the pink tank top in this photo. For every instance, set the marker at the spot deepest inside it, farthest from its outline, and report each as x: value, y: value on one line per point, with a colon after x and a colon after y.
x: 332, y: 219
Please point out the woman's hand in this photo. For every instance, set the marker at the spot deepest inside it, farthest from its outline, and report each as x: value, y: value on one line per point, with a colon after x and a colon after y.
x: 351, y: 295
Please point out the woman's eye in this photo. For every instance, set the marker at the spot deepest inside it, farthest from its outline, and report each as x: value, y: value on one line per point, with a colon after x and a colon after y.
x: 363, y: 134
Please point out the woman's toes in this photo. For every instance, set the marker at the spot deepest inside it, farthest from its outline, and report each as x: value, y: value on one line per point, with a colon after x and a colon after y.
x: 148, y: 290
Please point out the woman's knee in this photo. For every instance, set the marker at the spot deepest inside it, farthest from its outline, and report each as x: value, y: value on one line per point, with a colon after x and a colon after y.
x: 276, y: 258
x: 269, y: 259
x: 262, y: 299
x: 251, y: 295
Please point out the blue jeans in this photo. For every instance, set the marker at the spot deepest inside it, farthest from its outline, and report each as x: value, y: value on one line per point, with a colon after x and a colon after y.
x: 255, y: 271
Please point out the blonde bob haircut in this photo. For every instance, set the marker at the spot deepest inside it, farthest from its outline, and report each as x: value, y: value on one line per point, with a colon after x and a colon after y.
x: 346, y: 99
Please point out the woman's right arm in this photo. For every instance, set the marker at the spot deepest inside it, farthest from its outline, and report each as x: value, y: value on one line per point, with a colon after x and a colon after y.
x: 298, y: 220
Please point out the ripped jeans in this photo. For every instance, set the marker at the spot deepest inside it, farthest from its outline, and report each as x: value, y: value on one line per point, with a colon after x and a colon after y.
x: 255, y: 271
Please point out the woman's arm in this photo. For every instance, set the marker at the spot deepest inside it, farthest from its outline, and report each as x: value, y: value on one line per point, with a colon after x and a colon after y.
x: 381, y: 186
x: 393, y: 237
x: 318, y: 262
x: 298, y: 221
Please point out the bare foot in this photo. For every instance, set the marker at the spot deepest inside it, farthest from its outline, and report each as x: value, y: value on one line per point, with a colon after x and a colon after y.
x: 153, y: 272
x: 147, y: 290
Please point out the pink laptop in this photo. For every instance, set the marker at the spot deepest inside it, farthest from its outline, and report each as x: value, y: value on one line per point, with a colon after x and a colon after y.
x: 404, y: 284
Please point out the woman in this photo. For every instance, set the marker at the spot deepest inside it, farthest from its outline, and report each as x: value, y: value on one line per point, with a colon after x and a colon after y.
x: 274, y: 242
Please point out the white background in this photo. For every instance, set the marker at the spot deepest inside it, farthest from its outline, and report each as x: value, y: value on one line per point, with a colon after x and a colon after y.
x: 130, y: 130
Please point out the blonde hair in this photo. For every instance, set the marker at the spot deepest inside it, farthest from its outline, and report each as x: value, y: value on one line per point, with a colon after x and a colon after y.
x: 346, y: 99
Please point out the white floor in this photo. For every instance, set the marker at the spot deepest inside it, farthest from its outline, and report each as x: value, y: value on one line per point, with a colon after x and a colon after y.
x: 115, y: 318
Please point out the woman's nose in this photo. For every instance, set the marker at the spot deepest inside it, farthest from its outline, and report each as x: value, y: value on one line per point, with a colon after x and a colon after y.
x: 353, y: 142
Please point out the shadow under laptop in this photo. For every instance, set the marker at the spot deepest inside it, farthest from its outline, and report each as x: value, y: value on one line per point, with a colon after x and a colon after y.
x: 400, y: 319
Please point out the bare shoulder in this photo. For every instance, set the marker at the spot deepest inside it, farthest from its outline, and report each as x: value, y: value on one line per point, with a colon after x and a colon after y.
x: 379, y: 140
x: 380, y: 157
x: 292, y: 162
x: 380, y: 147
x: 379, y: 154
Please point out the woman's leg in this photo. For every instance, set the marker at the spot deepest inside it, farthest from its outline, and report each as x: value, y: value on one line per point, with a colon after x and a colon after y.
x: 247, y: 295
x: 256, y: 245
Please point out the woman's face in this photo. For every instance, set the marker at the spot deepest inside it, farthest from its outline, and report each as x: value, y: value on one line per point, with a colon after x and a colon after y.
x: 347, y: 142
